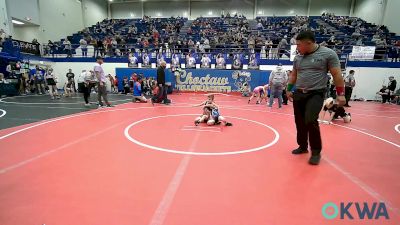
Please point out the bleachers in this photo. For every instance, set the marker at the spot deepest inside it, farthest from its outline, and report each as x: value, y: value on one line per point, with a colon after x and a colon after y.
x: 120, y: 27
x: 221, y: 33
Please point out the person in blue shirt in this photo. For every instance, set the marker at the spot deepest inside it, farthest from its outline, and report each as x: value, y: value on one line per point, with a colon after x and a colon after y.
x: 137, y: 90
x: 39, y: 81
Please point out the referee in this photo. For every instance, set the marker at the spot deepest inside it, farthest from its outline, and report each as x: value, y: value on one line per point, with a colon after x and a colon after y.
x: 310, y: 68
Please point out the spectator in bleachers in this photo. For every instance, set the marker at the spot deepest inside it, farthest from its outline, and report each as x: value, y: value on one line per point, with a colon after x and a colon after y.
x: 83, y: 45
x: 99, y: 48
x: 175, y: 62
x: 52, y: 47
x: 117, y: 52
x: 190, y: 61
x: 237, y: 62
x: 220, y: 60
x: 359, y: 41
x: 160, y: 58
x: 381, y: 43
x: 3, y: 36
x: 380, y: 51
x: 252, y: 61
x: 133, y: 60
x: 356, y: 34
x: 268, y: 46
x: 205, y: 61
x: 67, y: 47
x: 251, y: 42
x: 274, y: 49
x: 206, y: 45
x: 376, y: 37
x: 293, y: 40
x: 332, y: 41
x: 393, y: 52
x: 145, y: 43
x: 282, y: 46
x: 260, y: 26
x: 201, y: 48
x: 190, y: 45
x: 145, y: 59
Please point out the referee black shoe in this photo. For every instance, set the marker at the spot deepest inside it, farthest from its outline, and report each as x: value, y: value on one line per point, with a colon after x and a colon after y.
x: 314, y: 159
x: 299, y: 150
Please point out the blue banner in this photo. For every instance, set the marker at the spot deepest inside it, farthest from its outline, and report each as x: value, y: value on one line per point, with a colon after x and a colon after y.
x: 210, y: 80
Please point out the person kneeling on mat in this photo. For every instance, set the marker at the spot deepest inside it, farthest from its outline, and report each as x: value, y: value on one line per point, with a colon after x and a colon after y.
x: 137, y: 90
x: 260, y: 92
x: 335, y: 112
x: 210, y: 113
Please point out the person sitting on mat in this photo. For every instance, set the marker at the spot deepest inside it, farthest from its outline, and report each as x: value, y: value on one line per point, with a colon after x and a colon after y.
x: 210, y: 113
x: 68, y: 88
x: 335, y: 112
x: 137, y: 90
x: 260, y: 92
x: 385, y: 93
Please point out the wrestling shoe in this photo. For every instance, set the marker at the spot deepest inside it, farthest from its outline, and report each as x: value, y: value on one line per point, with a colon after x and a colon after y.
x: 314, y: 159
x: 299, y: 150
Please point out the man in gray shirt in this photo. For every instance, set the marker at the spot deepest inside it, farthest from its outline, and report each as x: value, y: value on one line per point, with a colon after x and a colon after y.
x: 310, y: 76
x: 101, y: 78
x: 277, y: 82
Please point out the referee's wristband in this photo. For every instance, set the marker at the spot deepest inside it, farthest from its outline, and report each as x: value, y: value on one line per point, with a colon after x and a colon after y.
x: 340, y: 91
x: 290, y: 87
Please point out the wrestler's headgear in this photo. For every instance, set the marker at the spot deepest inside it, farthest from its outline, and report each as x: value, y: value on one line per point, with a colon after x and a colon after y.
x: 328, y: 103
x: 347, y: 119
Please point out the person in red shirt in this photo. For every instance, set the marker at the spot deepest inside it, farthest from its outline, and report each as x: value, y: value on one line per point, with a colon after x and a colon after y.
x: 115, y: 87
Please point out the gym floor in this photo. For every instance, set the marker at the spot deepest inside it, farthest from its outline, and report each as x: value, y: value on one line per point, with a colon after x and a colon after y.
x: 135, y: 163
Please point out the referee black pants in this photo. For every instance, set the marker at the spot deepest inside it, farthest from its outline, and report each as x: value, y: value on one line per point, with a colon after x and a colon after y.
x: 86, y: 88
x: 348, y: 91
x: 306, y: 112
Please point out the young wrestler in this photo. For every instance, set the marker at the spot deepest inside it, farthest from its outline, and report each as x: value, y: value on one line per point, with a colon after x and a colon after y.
x: 210, y: 113
x: 68, y: 88
x: 335, y: 112
x: 51, y: 83
x: 260, y: 92
x: 137, y: 90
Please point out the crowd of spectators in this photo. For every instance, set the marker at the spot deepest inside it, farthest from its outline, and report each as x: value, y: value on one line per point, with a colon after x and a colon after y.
x: 232, y: 34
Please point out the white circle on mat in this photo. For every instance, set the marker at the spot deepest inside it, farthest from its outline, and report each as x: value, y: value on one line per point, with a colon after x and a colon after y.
x: 127, y: 135
x: 397, y: 128
x: 3, y: 113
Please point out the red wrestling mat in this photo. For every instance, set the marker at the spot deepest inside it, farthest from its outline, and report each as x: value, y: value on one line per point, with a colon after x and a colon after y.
x: 139, y: 164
